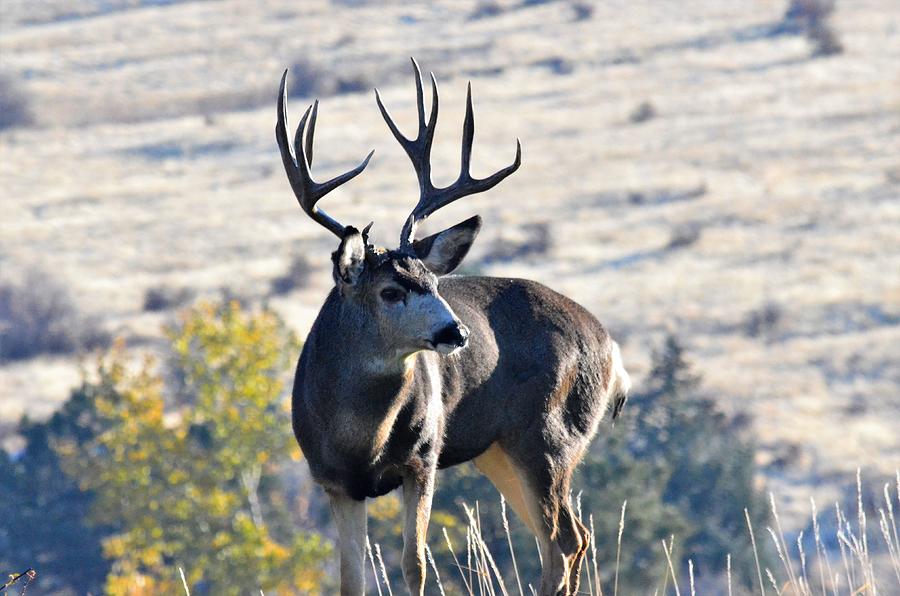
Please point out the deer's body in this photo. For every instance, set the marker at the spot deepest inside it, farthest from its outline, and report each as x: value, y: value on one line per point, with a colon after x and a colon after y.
x: 407, y: 370
x: 537, y: 370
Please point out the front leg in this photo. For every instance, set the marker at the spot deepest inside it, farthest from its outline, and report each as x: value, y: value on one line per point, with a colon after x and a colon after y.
x: 350, y: 518
x: 418, y: 489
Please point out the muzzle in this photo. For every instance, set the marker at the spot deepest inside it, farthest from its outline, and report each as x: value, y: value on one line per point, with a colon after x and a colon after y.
x: 451, y: 338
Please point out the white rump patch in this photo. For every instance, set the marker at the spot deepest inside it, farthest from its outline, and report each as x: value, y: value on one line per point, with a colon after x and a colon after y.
x: 621, y: 381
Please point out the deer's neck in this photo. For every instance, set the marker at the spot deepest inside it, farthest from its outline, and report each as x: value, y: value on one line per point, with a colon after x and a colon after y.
x: 367, y: 386
x: 360, y: 359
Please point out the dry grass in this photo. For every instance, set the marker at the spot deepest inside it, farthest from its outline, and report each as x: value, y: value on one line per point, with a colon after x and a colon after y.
x: 152, y: 164
x: 865, y: 562
x: 20, y: 581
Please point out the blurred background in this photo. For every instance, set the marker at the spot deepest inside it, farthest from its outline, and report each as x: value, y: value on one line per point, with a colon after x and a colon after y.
x: 718, y: 182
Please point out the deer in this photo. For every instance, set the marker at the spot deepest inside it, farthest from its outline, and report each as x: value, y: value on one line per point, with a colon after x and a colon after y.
x: 408, y: 369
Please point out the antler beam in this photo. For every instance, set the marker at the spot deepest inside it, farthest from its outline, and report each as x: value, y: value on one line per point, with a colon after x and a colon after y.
x: 308, y: 191
x: 432, y: 198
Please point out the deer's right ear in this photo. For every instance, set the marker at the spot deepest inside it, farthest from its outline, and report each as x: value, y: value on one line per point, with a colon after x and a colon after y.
x: 441, y: 253
x: 350, y: 258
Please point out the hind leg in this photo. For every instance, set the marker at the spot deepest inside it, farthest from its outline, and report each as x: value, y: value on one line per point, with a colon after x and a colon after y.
x: 542, y: 503
x: 560, y: 535
x: 574, y: 568
x: 500, y: 470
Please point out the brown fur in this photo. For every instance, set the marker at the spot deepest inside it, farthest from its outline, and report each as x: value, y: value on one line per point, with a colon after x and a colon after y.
x: 523, y: 400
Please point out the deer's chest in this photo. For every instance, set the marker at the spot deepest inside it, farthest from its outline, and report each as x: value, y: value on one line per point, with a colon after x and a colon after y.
x: 371, y: 465
x: 368, y: 446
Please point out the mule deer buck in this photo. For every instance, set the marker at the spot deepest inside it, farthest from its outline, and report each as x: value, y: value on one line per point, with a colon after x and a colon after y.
x: 408, y: 369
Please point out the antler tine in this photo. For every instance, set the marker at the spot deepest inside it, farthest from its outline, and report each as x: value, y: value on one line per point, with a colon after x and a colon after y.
x: 297, y: 160
x: 464, y: 185
x: 419, y: 151
x: 307, y: 147
x: 420, y: 95
x: 468, y: 134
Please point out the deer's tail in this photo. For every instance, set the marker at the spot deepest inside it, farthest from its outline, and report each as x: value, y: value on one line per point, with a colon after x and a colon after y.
x: 621, y: 382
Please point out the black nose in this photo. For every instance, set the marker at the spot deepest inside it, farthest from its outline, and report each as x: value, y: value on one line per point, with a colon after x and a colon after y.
x: 452, y: 335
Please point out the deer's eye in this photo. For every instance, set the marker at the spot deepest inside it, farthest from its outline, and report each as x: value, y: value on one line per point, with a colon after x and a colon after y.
x: 392, y: 295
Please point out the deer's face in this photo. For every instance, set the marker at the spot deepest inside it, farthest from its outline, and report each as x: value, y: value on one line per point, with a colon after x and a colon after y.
x: 398, y: 290
x: 411, y: 315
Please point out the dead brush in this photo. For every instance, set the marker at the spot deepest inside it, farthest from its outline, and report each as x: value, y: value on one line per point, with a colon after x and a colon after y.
x: 852, y: 571
x: 27, y: 576
x: 801, y: 573
x: 812, y: 18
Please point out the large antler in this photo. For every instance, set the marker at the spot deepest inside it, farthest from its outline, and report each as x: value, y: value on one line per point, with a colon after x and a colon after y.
x: 419, y: 151
x: 307, y: 190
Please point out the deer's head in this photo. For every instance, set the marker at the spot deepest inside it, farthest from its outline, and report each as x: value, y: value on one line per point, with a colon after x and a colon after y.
x: 397, y: 289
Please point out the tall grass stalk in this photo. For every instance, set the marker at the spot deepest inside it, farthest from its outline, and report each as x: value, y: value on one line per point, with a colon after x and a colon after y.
x: 772, y: 580
x: 512, y: 551
x: 487, y: 567
x: 762, y: 588
x: 184, y: 583
x: 781, y: 545
x: 384, y: 575
x: 691, y: 575
x: 668, y: 550
x: 587, y: 566
x: 594, y: 556
x: 469, y: 555
x: 885, y: 527
x: 619, y: 547
x: 804, y: 578
x: 462, y: 574
x: 821, y: 552
x: 728, y: 572
x: 374, y: 569
x: 848, y: 571
x: 437, y: 575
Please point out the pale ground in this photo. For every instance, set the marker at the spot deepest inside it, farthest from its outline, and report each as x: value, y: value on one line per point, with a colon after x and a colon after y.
x: 154, y: 162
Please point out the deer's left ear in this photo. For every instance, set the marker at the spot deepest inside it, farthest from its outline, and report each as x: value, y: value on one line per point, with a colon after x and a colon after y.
x: 441, y: 253
x: 350, y: 258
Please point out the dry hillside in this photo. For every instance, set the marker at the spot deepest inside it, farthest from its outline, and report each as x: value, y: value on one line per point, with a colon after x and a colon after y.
x: 686, y: 169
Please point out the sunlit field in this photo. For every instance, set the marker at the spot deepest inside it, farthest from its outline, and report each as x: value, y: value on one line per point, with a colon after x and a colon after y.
x: 705, y: 171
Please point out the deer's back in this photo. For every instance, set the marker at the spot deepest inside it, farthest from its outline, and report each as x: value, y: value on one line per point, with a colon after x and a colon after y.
x: 537, y: 362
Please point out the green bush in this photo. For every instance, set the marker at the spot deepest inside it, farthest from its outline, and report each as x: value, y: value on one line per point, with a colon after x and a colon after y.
x: 192, y: 488
x: 42, y: 511
x: 117, y: 491
x: 685, y: 468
